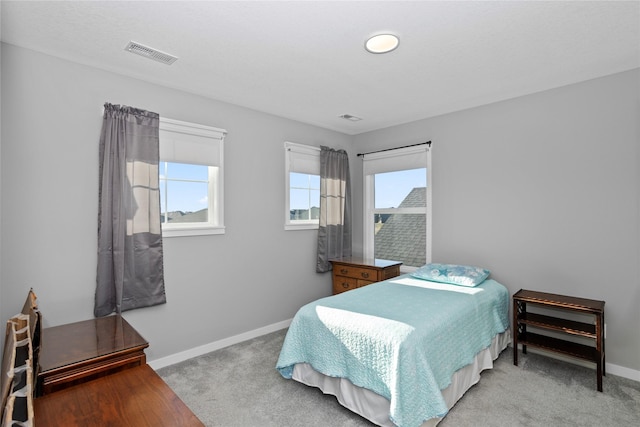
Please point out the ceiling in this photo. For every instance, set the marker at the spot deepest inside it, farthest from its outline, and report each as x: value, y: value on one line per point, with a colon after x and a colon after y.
x: 305, y: 60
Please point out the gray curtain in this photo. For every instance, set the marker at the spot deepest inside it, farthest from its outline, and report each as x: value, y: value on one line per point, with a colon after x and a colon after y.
x: 334, y: 233
x: 130, y: 270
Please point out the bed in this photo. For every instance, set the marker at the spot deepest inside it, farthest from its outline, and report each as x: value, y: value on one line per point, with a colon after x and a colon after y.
x: 399, y: 352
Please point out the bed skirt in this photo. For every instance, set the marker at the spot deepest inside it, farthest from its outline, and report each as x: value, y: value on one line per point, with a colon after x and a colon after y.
x: 375, y: 408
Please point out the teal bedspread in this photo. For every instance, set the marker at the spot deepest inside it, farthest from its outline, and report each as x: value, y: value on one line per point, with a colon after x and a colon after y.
x: 402, y: 338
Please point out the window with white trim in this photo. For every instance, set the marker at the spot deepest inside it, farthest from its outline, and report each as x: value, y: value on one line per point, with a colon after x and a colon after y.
x: 191, y: 179
x: 302, y: 186
x: 397, y: 206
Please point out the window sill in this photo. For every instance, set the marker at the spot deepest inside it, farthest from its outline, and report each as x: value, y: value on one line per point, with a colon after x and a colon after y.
x: 308, y: 226
x: 185, y: 232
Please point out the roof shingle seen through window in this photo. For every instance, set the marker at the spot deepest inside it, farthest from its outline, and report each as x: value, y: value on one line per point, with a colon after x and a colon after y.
x: 402, y: 237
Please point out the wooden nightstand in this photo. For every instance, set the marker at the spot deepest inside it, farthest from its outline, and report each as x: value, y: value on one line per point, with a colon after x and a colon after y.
x: 78, y: 352
x: 352, y: 273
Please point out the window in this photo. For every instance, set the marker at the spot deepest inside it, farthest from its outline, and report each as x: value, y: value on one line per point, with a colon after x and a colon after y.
x: 302, y: 186
x: 191, y: 179
x: 397, y: 198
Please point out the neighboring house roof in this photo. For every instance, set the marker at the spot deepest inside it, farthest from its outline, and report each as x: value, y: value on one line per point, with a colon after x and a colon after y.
x: 403, y: 236
x: 198, y: 216
x: 303, y: 213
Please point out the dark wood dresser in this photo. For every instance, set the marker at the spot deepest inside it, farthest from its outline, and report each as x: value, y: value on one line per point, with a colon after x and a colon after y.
x: 82, y: 351
x: 94, y: 373
x: 134, y: 397
x: 83, y: 374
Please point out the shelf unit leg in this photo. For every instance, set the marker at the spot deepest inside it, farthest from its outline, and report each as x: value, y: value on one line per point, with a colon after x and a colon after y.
x: 600, y: 349
x: 604, y: 354
x: 519, y: 307
x: 515, y: 332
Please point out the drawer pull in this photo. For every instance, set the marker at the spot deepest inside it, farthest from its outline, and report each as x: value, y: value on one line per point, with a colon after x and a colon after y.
x: 345, y: 285
x: 344, y: 271
x: 365, y: 275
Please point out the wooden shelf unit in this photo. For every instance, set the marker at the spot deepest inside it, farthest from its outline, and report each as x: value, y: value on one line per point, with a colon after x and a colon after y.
x: 595, y: 331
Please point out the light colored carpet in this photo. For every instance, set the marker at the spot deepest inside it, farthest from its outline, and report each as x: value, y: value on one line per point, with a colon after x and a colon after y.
x: 238, y: 386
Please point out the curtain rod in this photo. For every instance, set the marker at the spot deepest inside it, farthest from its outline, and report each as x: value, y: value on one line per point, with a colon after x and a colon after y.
x: 396, y: 148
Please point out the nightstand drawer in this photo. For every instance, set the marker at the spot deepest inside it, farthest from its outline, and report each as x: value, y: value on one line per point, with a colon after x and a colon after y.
x: 356, y: 272
x: 341, y: 284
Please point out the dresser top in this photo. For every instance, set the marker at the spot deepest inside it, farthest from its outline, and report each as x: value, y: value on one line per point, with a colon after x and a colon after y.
x: 133, y: 397
x: 367, y: 262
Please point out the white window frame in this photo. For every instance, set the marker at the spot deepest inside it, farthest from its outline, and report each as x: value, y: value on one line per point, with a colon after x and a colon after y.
x: 190, y: 143
x: 392, y: 161
x: 303, y: 159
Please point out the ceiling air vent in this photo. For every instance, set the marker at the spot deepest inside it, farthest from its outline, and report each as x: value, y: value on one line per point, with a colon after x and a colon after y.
x: 151, y: 53
x: 350, y: 117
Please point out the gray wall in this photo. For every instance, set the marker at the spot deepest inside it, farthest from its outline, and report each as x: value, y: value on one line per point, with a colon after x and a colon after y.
x: 2, y: 317
x: 255, y: 275
x: 544, y: 191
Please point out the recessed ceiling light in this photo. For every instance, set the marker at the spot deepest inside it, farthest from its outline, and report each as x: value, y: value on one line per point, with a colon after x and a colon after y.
x: 382, y: 43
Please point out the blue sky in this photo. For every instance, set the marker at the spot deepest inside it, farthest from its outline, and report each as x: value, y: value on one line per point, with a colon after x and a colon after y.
x: 393, y: 187
x: 185, y: 196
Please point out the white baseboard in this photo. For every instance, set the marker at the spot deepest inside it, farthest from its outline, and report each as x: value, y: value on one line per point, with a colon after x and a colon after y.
x: 621, y: 371
x: 217, y: 345
x: 610, y: 368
